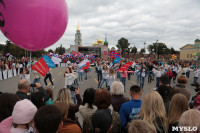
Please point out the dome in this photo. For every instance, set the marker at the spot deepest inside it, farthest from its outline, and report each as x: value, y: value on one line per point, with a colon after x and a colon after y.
x: 100, y: 40
x: 197, y: 40
x: 106, y: 42
x: 93, y: 44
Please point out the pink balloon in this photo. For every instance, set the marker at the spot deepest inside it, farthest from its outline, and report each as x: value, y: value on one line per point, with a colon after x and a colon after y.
x: 33, y: 24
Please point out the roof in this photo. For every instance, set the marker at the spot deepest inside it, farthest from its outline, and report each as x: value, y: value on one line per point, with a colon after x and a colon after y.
x: 197, y: 40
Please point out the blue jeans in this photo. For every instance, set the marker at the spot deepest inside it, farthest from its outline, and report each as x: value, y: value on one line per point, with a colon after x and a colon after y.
x: 118, y: 75
x: 80, y: 76
x: 72, y: 93
x: 142, y: 80
x: 138, y: 79
x: 85, y: 75
x: 99, y: 76
x: 195, y: 79
x: 123, y: 80
x: 188, y: 74
x: 157, y: 81
x: 102, y: 82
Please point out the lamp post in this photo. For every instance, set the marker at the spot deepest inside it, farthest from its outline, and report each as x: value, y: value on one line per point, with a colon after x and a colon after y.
x: 157, y: 48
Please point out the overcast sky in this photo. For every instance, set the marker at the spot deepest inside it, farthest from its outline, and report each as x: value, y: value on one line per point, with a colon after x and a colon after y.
x: 175, y: 22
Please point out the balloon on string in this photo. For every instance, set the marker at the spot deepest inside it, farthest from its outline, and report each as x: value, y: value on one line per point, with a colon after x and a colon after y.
x: 33, y: 24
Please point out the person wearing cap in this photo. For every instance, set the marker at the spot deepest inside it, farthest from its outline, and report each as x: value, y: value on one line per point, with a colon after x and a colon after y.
x: 24, y: 87
x: 102, y: 121
x: 21, y: 120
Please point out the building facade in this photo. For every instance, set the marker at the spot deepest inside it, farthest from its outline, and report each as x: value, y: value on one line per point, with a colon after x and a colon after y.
x: 189, y: 49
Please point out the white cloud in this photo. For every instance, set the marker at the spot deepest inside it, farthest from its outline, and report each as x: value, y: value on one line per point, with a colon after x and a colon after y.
x: 175, y: 22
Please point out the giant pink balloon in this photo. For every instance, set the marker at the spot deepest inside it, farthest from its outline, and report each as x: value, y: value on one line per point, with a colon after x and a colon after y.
x: 33, y: 24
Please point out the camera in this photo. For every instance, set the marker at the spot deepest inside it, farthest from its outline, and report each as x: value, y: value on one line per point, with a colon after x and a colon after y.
x: 73, y: 88
x: 32, y: 85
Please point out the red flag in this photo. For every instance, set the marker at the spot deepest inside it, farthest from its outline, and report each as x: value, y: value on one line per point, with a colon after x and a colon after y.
x: 125, y: 67
x: 41, y: 67
x: 86, y: 66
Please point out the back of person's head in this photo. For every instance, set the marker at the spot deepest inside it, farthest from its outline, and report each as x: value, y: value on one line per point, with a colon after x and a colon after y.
x: 190, y: 118
x: 88, y: 97
x: 197, y: 102
x: 140, y: 126
x: 164, y: 91
x: 23, y: 84
x: 63, y: 106
x: 135, y: 89
x: 153, y: 108
x: 101, y: 121
x: 49, y: 92
x: 179, y: 104
x: 37, y: 98
x: 182, y: 79
x: 7, y: 103
x: 64, y: 96
x: 117, y: 88
x: 102, y: 99
x: 48, y: 119
x: 23, y: 112
x: 164, y: 80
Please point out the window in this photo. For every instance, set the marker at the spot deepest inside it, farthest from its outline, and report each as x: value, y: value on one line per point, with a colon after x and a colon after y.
x: 190, y: 55
x: 187, y: 55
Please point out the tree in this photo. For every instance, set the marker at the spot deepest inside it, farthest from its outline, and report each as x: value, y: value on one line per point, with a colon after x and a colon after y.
x: 50, y: 51
x: 142, y: 51
x: 123, y: 44
x: 134, y: 50
x: 60, y: 50
x: 158, y: 48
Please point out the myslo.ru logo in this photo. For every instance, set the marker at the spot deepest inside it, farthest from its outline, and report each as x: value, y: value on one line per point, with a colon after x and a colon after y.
x: 184, y: 128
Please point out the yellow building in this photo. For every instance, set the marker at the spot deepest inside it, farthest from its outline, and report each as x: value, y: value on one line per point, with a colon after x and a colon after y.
x: 189, y: 49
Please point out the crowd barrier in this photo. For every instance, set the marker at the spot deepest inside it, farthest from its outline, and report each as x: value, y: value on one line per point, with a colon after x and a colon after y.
x: 5, y: 74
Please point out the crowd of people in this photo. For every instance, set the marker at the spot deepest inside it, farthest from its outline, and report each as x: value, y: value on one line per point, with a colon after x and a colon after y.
x: 35, y: 109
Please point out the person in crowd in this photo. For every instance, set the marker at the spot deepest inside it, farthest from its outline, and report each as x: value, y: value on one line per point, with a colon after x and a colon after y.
x: 196, y: 74
x: 143, y: 73
x: 130, y: 70
x: 36, y: 77
x: 88, y: 108
x: 105, y: 74
x: 188, y: 70
x: 69, y: 126
x: 110, y: 78
x: 180, y: 86
x: 170, y: 74
x: 123, y: 78
x: 48, y: 76
x: 86, y: 73
x: 46, y: 124
x: 164, y: 91
x: 158, y: 75
x: 102, y: 121
x: 153, y: 111
x: 21, y: 120
x: 140, y: 126
x: 179, y: 104
x: 150, y: 69
x: 64, y: 96
x: 130, y: 110
x: 99, y: 72
x: 17, y: 67
x: 175, y: 70
x: 137, y: 71
x: 25, y: 74
x: 69, y: 80
x: 190, y: 118
x: 50, y: 95
x: 117, y: 95
x: 102, y: 100
x: 80, y: 73
x: 24, y: 87
x: 74, y: 71
x: 197, y: 102
x: 7, y: 102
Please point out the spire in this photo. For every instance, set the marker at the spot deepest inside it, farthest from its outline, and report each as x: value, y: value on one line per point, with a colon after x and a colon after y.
x: 106, y: 42
x: 105, y: 37
x: 78, y: 26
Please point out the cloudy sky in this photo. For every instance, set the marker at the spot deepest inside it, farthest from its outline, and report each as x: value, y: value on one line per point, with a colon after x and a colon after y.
x: 174, y: 22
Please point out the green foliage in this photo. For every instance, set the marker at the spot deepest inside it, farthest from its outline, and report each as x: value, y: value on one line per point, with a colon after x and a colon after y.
x: 60, y: 50
x: 134, y: 50
x: 142, y: 51
x: 158, y: 48
x: 50, y: 51
x: 123, y: 44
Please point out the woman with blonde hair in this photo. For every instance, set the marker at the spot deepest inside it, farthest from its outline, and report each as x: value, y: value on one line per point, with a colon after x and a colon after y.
x: 179, y: 104
x: 64, y: 96
x: 104, y: 76
x: 153, y: 111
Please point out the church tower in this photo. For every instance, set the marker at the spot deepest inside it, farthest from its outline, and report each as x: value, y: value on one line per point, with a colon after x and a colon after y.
x: 78, y: 40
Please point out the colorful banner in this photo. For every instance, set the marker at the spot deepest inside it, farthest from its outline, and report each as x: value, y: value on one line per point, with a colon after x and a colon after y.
x: 41, y: 67
x: 48, y: 61
x: 125, y: 67
x: 56, y: 60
